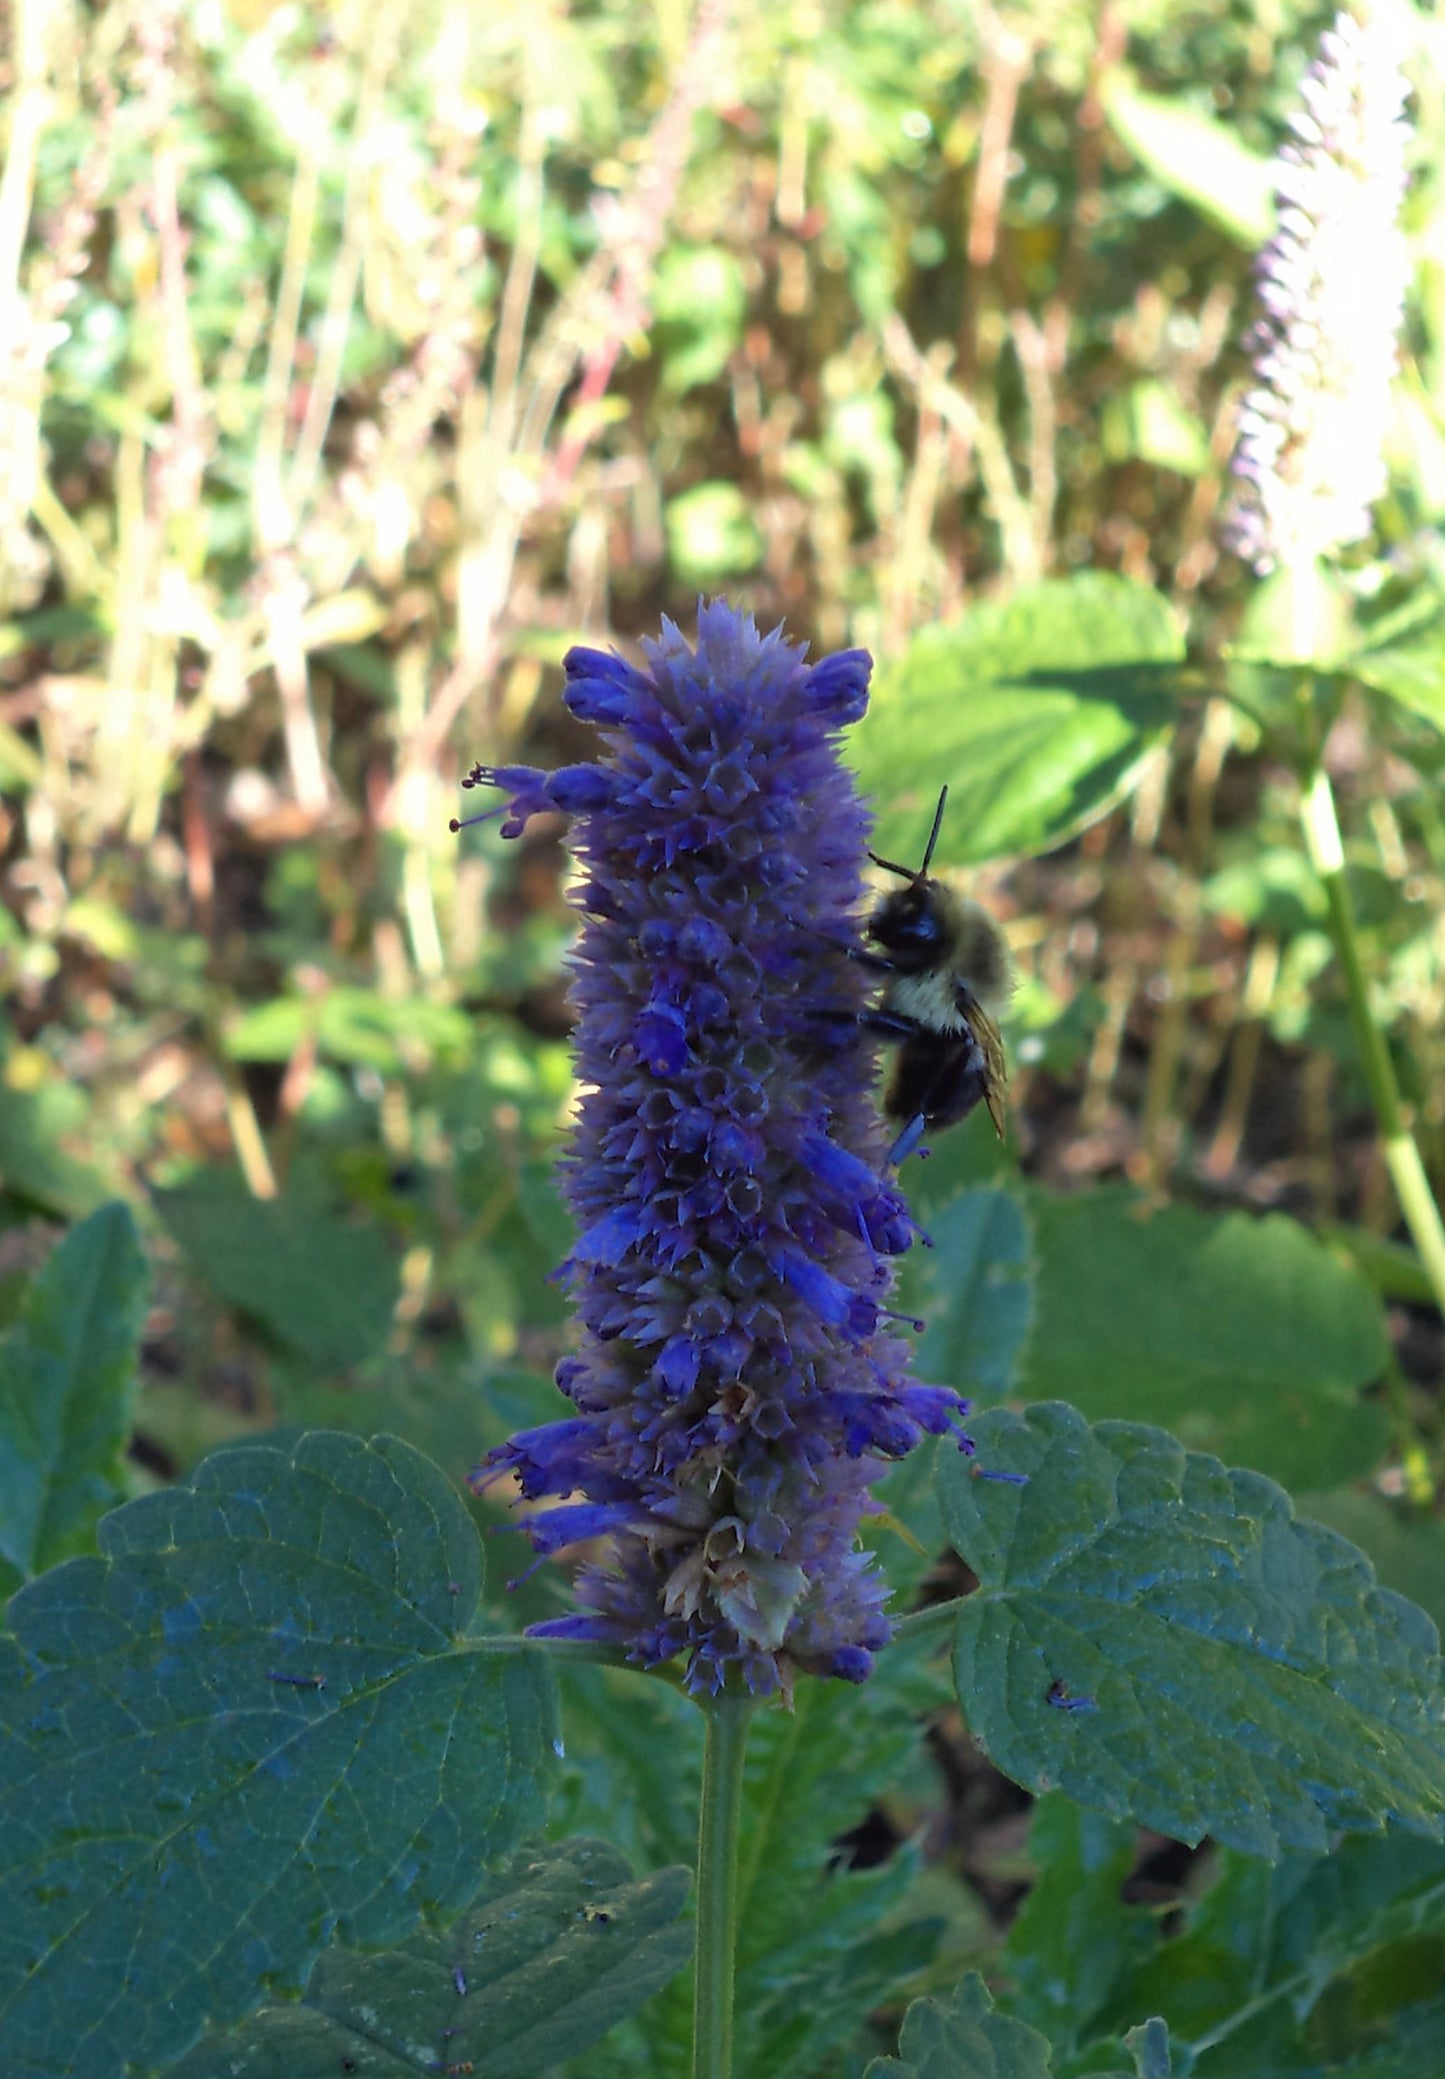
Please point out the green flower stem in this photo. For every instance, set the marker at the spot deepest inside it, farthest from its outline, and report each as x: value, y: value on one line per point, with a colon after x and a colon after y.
x: 1402, y: 1157
x: 717, y: 1885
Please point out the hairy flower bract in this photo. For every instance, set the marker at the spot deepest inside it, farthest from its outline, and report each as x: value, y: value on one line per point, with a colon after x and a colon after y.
x: 737, y: 1379
x: 1309, y: 459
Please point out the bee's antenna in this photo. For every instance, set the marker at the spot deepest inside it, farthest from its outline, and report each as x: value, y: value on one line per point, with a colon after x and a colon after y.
x: 909, y: 873
x: 933, y: 833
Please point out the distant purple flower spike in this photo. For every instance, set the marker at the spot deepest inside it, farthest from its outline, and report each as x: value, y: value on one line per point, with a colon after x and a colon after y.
x: 1309, y: 460
x: 736, y: 1385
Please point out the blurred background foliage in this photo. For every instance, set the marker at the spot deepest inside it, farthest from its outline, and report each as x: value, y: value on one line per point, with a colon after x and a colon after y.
x: 356, y: 360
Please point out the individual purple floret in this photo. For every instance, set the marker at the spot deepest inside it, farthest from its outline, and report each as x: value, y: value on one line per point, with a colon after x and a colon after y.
x: 1309, y: 461
x: 737, y: 1380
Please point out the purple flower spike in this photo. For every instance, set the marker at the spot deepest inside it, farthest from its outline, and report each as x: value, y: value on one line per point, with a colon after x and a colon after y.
x: 1309, y: 459
x: 736, y: 1388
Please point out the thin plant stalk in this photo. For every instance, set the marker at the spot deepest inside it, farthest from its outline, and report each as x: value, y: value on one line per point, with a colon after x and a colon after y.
x: 719, y: 1826
x: 1402, y: 1155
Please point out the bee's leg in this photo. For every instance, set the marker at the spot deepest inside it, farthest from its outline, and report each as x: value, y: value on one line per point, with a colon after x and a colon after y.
x: 908, y: 1140
x: 891, y: 1024
x: 876, y: 963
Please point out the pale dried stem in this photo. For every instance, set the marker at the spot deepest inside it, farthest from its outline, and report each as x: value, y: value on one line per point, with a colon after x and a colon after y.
x: 1007, y: 56
x: 504, y: 437
x: 1160, y: 1125
x: 270, y: 518
x: 346, y: 269
x: 1040, y: 358
x: 1244, y: 1050
x: 927, y: 377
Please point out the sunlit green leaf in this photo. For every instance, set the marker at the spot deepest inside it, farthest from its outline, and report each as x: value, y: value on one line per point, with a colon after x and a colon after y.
x: 1196, y: 156
x: 1037, y: 712
x: 711, y: 532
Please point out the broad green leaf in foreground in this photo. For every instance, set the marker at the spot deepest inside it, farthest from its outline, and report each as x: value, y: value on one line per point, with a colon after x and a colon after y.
x: 1245, y: 1337
x: 1163, y: 1640
x: 250, y: 1723
x: 1405, y: 1545
x: 554, y: 1950
x: 1038, y: 711
x: 67, y: 1382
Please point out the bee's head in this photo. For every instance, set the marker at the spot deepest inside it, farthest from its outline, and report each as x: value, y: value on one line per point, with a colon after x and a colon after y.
x: 913, y: 925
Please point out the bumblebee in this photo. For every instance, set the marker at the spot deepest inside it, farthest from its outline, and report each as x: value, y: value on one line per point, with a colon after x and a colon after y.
x: 949, y: 977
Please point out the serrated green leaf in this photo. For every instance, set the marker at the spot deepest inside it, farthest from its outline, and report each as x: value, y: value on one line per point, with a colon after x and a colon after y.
x: 1405, y: 1547
x: 249, y: 1723
x: 963, y: 2038
x: 1163, y: 1640
x: 554, y: 1950
x: 1196, y: 157
x: 324, y: 1288
x: 1245, y: 1336
x: 1038, y: 712
x: 67, y: 1386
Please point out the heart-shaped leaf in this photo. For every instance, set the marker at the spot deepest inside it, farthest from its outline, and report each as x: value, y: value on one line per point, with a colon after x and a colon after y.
x: 251, y: 1722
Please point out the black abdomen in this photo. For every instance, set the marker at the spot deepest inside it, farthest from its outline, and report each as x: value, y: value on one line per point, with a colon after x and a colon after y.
x: 937, y: 1077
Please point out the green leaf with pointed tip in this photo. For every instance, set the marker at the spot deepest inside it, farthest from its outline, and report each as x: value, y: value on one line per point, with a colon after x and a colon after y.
x: 67, y: 1384
x: 1163, y: 1640
x: 1196, y: 157
x: 555, y: 1949
x: 250, y: 1722
x: 1038, y: 711
x: 1245, y: 1337
x: 962, y: 2037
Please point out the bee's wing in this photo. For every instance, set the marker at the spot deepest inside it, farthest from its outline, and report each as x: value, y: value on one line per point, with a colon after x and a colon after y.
x: 995, y: 1067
